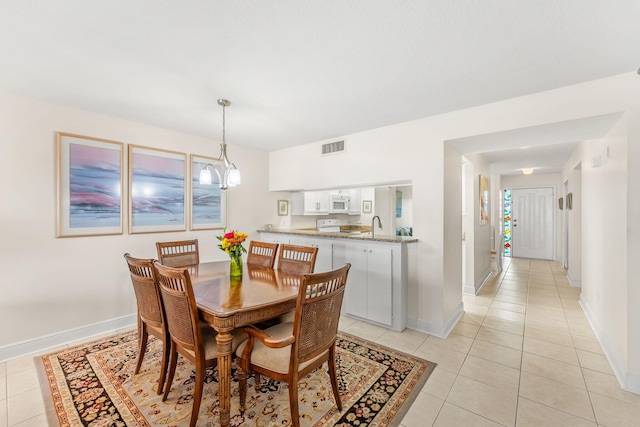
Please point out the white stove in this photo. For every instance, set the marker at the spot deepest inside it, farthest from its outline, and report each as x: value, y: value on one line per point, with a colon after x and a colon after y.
x: 328, y: 225
x: 332, y: 226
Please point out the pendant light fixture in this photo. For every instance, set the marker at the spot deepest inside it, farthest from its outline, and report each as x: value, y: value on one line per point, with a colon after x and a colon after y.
x: 228, y: 174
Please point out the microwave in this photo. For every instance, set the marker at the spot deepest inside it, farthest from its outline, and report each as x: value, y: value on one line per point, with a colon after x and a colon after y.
x: 339, y: 203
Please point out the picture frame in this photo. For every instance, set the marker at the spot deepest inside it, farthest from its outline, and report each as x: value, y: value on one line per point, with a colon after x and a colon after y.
x: 208, y: 206
x: 560, y: 203
x: 484, y: 199
x: 89, y: 186
x: 283, y: 207
x: 157, y: 190
x: 367, y: 206
x: 570, y: 201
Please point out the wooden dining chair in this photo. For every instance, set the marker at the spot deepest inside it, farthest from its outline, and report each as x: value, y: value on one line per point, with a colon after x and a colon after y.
x: 151, y: 318
x: 297, y: 259
x: 189, y: 337
x: 262, y: 254
x: 182, y: 253
x: 289, y: 351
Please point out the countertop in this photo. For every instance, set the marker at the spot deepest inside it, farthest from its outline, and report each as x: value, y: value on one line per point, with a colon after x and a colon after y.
x: 366, y: 237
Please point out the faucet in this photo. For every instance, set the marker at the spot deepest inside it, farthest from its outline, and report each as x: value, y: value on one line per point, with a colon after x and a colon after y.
x: 373, y: 228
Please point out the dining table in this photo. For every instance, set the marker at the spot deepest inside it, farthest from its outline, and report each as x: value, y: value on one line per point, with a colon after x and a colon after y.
x: 226, y: 303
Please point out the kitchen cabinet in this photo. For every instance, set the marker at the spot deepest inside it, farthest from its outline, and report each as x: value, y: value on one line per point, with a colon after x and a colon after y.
x: 376, y: 288
x: 324, y: 260
x: 275, y: 238
x: 310, y: 203
x: 355, y: 204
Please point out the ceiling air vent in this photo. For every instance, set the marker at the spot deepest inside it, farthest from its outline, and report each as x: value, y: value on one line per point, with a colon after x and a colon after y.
x: 332, y: 147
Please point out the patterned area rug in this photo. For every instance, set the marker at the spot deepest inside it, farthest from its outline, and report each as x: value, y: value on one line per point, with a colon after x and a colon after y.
x: 93, y: 385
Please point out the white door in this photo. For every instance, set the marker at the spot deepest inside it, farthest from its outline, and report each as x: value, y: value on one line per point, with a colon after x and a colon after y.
x: 533, y: 223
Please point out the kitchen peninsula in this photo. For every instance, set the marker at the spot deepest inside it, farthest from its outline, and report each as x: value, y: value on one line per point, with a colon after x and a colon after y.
x: 378, y: 279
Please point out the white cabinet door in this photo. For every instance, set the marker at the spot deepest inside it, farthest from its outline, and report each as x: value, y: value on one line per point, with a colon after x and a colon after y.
x: 355, y: 203
x: 355, y: 292
x: 322, y: 200
x: 379, y: 284
x: 325, y: 250
x: 274, y: 238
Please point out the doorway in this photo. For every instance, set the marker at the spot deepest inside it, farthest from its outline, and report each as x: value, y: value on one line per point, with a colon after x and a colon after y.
x: 532, y: 220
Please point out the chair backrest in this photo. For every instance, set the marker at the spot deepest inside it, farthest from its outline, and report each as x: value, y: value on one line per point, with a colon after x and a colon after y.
x: 178, y: 254
x: 262, y: 254
x: 145, y: 286
x: 317, y: 312
x: 297, y: 259
x: 179, y: 305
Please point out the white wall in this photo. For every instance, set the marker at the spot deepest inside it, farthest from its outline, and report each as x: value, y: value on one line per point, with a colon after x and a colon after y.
x: 481, y: 262
x: 50, y: 284
x: 367, y: 162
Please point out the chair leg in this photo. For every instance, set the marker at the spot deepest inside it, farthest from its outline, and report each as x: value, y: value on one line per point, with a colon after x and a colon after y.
x: 142, y: 343
x: 172, y: 372
x: 256, y: 386
x: 165, y: 360
x: 293, y: 402
x: 242, y: 385
x: 334, y: 378
x: 197, y: 393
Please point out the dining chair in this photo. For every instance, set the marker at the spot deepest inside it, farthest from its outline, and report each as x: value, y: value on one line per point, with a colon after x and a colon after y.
x: 189, y: 337
x: 297, y: 259
x: 182, y: 253
x: 262, y: 254
x: 151, y: 318
x: 289, y: 351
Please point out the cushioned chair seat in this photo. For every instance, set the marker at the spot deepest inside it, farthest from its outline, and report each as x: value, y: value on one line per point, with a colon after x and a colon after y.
x: 274, y: 359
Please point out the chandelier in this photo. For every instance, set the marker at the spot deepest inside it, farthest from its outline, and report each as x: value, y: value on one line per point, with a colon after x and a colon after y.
x: 228, y: 174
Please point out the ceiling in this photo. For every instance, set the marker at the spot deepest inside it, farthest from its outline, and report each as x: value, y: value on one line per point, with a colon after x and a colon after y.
x: 304, y: 71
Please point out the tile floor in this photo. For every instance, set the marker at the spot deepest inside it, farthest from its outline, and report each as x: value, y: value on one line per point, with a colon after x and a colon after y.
x: 522, y: 355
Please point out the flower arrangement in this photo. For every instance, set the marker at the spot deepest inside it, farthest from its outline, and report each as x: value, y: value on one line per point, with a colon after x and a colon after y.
x: 231, y: 243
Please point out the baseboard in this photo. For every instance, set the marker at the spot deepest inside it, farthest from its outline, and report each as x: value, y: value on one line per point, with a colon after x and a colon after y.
x: 435, y: 329
x: 573, y: 282
x: 473, y: 290
x: 40, y: 344
x: 628, y: 381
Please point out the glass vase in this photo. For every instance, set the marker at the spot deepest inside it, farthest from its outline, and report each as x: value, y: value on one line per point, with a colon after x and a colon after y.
x: 235, y: 269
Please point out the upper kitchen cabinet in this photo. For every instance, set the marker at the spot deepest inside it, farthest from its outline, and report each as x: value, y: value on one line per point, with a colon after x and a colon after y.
x: 355, y: 205
x: 310, y: 203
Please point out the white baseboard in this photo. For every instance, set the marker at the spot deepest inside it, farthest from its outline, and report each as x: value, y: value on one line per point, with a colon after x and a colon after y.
x: 628, y: 381
x: 59, y: 339
x: 473, y: 290
x: 435, y: 329
x: 573, y: 282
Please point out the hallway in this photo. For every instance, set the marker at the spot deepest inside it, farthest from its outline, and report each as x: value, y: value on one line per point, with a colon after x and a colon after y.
x: 523, y: 354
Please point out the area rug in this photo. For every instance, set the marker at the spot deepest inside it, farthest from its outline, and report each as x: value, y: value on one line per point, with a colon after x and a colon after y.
x: 93, y: 385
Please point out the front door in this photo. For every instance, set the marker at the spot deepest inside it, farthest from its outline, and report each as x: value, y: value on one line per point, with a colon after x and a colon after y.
x: 533, y: 223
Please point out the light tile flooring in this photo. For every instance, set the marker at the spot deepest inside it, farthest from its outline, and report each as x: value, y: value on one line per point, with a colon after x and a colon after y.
x: 522, y: 355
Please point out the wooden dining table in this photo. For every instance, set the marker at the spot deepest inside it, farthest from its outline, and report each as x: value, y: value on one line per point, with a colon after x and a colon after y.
x: 226, y: 303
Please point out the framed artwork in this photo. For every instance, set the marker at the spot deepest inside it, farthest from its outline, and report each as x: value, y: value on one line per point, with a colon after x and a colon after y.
x: 366, y: 206
x: 208, y: 208
x: 90, y: 184
x: 283, y: 207
x: 157, y: 188
x: 484, y: 200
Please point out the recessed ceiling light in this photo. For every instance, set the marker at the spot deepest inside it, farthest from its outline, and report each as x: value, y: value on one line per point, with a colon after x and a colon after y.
x: 527, y: 171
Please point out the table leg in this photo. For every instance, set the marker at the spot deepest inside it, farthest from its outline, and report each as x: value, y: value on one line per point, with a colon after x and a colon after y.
x: 224, y: 340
